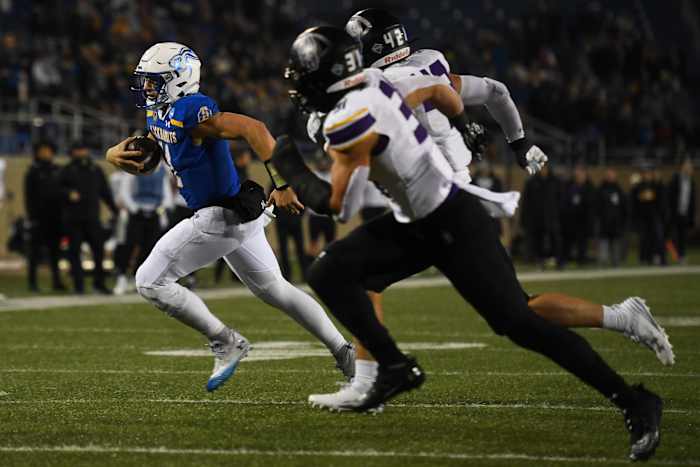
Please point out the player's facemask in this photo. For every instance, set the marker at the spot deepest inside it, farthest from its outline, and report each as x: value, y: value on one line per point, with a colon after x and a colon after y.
x: 149, y: 89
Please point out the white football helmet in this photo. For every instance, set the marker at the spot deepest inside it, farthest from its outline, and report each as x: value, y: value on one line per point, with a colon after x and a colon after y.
x: 166, y: 72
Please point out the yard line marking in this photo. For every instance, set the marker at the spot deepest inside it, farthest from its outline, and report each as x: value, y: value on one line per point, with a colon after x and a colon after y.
x: 96, y: 449
x: 244, y: 402
x: 679, y: 321
x: 287, y: 350
x: 263, y: 369
x: 55, y: 302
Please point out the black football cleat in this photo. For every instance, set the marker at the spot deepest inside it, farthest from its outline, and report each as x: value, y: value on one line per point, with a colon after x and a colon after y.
x: 643, y: 421
x: 391, y: 381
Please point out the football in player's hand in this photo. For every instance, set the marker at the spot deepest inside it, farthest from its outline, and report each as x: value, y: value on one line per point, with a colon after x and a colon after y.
x: 152, y: 152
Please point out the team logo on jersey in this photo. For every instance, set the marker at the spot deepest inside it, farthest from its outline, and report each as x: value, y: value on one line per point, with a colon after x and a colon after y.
x: 204, y: 114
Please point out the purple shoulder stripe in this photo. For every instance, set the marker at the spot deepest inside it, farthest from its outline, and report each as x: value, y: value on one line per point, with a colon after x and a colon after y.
x: 350, y: 132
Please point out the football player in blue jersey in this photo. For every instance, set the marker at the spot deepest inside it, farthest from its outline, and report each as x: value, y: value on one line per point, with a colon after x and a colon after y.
x: 228, y: 221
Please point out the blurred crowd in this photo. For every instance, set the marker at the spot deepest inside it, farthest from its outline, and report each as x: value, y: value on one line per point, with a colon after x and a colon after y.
x: 589, y: 67
x: 562, y: 217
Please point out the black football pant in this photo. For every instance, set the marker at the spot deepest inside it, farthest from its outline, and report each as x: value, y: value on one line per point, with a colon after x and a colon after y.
x: 460, y: 240
x: 89, y: 231
x: 44, y: 233
x: 143, y: 230
x: 290, y: 230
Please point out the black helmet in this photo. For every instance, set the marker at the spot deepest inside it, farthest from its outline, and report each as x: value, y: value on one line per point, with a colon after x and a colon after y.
x: 325, y: 62
x: 383, y: 37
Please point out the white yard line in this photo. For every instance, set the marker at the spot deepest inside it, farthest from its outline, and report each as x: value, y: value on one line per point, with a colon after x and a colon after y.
x: 53, y: 302
x: 369, y: 453
x: 244, y: 402
x: 267, y: 369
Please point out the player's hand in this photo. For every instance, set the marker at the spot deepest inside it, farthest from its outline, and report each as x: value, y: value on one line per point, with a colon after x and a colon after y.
x: 530, y: 157
x: 473, y: 134
x: 286, y: 199
x: 120, y: 157
x: 475, y: 138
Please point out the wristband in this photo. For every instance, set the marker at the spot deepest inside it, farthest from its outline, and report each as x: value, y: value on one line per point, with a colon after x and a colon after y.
x: 278, y: 182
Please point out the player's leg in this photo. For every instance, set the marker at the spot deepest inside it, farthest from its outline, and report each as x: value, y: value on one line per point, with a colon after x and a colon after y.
x: 632, y: 317
x: 182, y: 250
x: 366, y: 367
x: 75, y: 232
x: 480, y: 271
x: 373, y: 256
x: 255, y: 264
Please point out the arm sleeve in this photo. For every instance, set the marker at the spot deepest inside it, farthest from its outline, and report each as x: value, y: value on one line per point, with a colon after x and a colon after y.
x: 495, y: 96
x: 354, y: 194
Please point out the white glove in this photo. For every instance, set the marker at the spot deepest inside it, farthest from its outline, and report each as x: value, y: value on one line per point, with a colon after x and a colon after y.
x: 535, y: 159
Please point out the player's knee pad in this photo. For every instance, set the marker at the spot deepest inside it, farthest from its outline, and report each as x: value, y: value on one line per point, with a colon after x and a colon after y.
x: 169, y: 298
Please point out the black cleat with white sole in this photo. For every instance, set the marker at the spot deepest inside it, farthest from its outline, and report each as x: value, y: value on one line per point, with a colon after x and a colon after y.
x: 391, y: 381
x: 643, y: 421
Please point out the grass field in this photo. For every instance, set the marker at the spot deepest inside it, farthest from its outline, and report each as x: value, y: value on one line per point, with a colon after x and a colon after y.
x: 78, y: 388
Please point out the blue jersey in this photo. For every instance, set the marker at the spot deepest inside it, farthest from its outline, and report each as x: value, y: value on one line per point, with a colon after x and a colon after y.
x: 203, y: 167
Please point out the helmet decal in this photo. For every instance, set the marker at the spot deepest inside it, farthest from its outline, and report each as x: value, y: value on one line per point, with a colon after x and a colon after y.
x: 357, y: 27
x: 310, y: 47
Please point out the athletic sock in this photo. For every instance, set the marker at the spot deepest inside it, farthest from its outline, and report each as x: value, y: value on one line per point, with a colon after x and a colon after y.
x: 365, y: 375
x: 614, y: 319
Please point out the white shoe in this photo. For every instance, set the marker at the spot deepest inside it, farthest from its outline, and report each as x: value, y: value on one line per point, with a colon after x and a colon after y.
x: 348, y: 398
x: 121, y: 286
x: 345, y: 360
x: 228, y: 350
x: 643, y: 329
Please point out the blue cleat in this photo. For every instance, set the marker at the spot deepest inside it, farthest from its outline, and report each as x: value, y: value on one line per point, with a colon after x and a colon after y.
x: 229, y: 349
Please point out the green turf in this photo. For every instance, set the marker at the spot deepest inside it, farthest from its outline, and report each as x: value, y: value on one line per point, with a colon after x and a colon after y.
x: 52, y: 392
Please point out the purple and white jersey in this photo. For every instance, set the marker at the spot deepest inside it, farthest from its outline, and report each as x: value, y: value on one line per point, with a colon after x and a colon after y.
x: 407, y: 163
x: 431, y: 63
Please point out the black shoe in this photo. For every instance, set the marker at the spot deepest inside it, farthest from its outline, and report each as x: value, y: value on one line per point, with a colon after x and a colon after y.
x: 392, y: 381
x: 643, y: 421
x: 34, y: 288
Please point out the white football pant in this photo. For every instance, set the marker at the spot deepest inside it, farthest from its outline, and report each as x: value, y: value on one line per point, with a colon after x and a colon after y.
x: 212, y: 233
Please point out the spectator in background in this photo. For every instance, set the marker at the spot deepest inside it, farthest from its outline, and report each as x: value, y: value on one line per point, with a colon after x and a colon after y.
x: 146, y: 198
x: 681, y: 197
x: 321, y: 226
x: 83, y: 185
x: 539, y: 215
x: 611, y: 209
x: 43, y: 209
x: 578, y: 203
x: 289, y: 227
x: 648, y: 210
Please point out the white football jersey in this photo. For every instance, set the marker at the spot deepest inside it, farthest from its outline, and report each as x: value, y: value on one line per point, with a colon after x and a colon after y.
x: 407, y: 164
x: 432, y: 63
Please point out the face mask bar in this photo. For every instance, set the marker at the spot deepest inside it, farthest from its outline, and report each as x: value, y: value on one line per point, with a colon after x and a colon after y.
x: 149, y: 90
